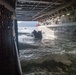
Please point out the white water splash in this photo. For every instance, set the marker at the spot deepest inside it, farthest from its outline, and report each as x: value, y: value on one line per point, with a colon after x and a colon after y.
x: 46, y: 32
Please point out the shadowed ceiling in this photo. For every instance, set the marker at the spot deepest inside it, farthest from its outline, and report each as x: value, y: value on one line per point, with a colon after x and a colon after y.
x: 27, y: 10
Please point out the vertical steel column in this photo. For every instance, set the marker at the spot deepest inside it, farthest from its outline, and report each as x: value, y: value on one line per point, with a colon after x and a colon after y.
x: 8, y: 52
x: 16, y: 50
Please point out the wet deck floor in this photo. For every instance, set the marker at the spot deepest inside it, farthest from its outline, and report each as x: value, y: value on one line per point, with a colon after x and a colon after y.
x: 52, y: 57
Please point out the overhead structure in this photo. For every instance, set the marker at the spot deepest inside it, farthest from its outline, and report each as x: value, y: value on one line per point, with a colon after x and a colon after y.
x: 10, y: 2
x: 27, y: 10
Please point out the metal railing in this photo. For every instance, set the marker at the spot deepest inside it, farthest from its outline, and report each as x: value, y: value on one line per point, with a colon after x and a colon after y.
x: 17, y: 60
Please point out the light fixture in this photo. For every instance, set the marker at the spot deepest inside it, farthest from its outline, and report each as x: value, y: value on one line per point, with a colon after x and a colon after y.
x: 18, y: 8
x: 68, y: 13
x: 62, y: 15
x: 21, y: 5
x: 22, y: 2
x: 57, y: 16
x: 58, y: 19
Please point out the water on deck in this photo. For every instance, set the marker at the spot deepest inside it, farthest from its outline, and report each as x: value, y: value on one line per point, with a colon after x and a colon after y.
x: 52, y: 56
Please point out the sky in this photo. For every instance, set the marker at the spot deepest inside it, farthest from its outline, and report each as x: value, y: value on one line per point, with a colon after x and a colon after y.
x: 27, y: 23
